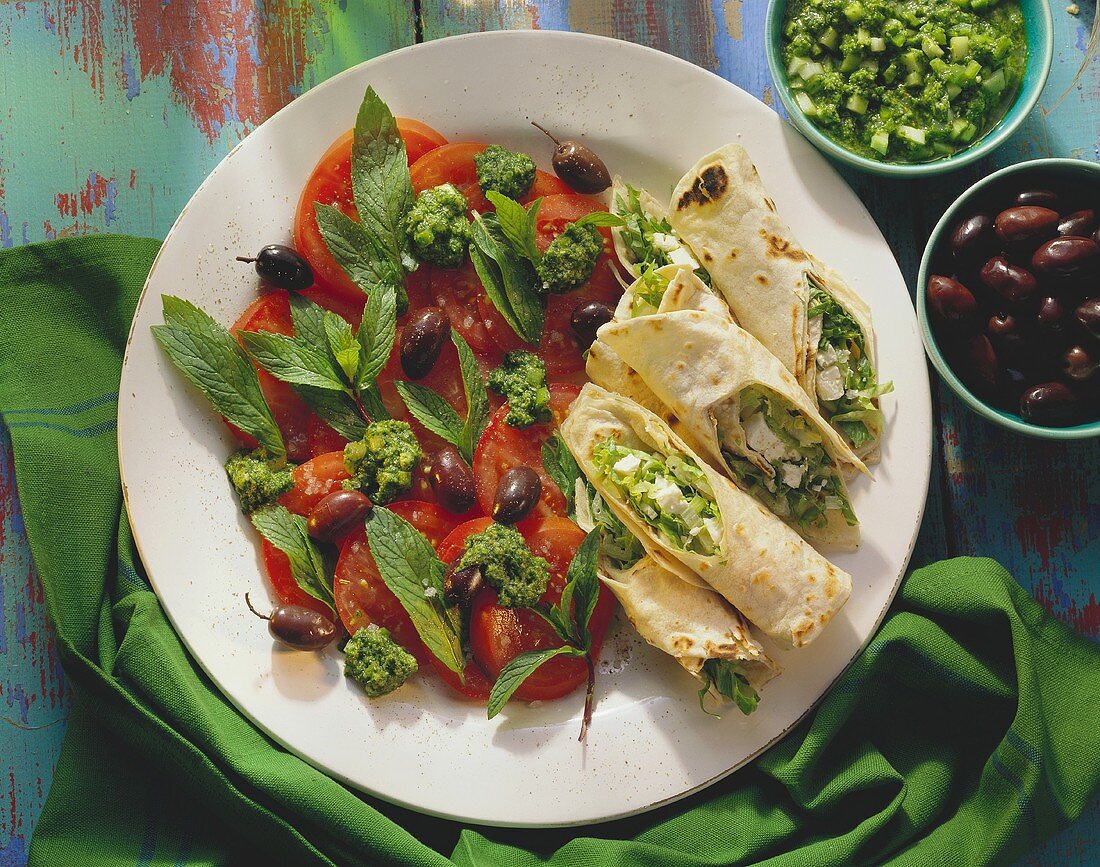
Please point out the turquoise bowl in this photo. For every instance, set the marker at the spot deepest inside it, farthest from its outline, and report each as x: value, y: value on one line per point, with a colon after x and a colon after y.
x: 1035, y: 174
x: 1040, y: 47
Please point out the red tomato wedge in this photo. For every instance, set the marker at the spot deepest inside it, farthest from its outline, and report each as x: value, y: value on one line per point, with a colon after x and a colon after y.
x: 558, y: 348
x: 304, y: 434
x: 362, y: 597
x: 330, y: 184
x: 282, y: 581
x: 498, y: 634
x: 313, y: 481
x: 503, y: 447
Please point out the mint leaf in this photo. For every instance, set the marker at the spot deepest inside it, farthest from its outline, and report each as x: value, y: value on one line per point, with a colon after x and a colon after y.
x: 291, y: 360
x: 477, y: 401
x: 360, y: 255
x: 371, y: 399
x: 380, y: 180
x: 336, y: 409
x: 562, y: 468
x: 414, y: 574
x: 432, y: 411
x: 377, y: 332
x: 601, y: 219
x: 518, y: 224
x: 726, y: 677
x: 289, y: 533
x: 510, y: 281
x: 582, y: 588
x: 308, y: 319
x: 208, y: 356
x: 518, y: 670
x: 342, y: 343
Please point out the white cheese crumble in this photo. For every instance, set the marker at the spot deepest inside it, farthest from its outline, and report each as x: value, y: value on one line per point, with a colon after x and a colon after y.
x: 830, y: 383
x: 627, y: 464
x: 762, y: 439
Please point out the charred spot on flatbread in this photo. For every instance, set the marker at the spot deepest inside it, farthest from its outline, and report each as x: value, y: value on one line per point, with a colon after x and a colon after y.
x: 733, y: 255
x: 761, y: 279
x: 707, y: 257
x: 780, y: 248
x: 710, y: 184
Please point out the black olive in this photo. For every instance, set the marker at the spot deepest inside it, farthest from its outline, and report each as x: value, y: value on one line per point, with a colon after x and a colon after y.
x: 422, y: 340
x: 518, y: 492
x: 297, y: 626
x: 336, y: 514
x: 452, y: 480
x: 586, y: 321
x: 282, y: 267
x: 578, y: 165
x: 461, y: 585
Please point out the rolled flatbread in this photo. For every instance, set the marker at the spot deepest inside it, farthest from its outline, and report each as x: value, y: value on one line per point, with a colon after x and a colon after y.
x: 734, y: 403
x: 758, y: 564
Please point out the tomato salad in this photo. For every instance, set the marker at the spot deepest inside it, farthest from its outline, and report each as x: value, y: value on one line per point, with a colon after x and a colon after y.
x: 394, y: 387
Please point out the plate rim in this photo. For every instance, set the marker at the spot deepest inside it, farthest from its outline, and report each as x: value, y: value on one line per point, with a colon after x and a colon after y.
x: 333, y: 772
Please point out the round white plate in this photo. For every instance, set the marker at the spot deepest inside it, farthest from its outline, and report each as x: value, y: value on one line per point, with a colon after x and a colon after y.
x: 650, y: 116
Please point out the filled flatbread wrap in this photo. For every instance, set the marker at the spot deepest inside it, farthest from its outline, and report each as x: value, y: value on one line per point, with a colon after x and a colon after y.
x: 695, y: 521
x: 736, y: 405
x: 802, y: 312
x: 693, y: 624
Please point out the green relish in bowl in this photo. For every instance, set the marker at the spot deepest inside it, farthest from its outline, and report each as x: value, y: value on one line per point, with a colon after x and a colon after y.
x: 904, y: 82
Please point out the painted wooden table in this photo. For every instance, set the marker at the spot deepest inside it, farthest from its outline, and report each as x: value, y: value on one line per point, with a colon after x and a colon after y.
x: 113, y: 111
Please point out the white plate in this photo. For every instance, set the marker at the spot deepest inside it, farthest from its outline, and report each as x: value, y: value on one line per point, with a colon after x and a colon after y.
x: 650, y: 116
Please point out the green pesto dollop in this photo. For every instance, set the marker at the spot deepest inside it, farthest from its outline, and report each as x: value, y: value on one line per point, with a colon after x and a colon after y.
x: 376, y: 662
x: 437, y: 226
x: 510, y: 173
x: 382, y: 463
x: 904, y: 80
x: 571, y: 258
x: 518, y: 576
x: 255, y: 482
x: 521, y: 380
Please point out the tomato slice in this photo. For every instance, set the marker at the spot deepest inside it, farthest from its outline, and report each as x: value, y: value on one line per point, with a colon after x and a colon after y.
x: 330, y: 184
x: 362, y: 597
x: 455, y: 291
x: 303, y: 432
x: 503, y: 447
x: 475, y: 684
x: 498, y: 634
x: 558, y: 348
x: 313, y: 481
x: 282, y: 581
x: 452, y: 547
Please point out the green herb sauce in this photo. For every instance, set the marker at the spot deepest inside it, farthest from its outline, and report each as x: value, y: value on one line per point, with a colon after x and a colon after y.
x: 904, y: 82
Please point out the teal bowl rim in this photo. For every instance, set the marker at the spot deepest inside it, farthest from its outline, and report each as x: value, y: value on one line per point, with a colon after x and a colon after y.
x: 1040, y: 48
x: 1004, y: 419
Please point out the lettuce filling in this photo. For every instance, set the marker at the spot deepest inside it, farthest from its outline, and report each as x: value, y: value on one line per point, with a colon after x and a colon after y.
x: 804, y: 484
x: 846, y: 380
x: 651, y: 242
x: 669, y: 493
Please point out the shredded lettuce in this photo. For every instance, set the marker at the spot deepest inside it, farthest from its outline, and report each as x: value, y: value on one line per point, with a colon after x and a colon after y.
x: 842, y: 344
x: 799, y: 457
x: 641, y: 232
x: 669, y: 493
x: 648, y: 293
x: 618, y: 544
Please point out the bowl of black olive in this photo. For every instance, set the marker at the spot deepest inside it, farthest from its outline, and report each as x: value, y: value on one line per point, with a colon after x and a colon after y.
x: 1008, y: 298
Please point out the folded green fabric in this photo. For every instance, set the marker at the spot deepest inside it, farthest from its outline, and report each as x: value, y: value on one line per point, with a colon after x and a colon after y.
x: 966, y: 733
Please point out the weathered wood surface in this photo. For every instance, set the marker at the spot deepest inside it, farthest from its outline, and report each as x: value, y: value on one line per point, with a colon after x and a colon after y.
x: 113, y: 111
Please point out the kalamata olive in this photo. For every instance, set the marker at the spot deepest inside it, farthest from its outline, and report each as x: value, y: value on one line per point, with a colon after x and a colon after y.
x: 1046, y: 198
x: 1050, y: 316
x: 422, y: 340
x: 1079, y: 223
x: 950, y: 298
x: 518, y: 492
x: 578, y: 165
x: 461, y: 585
x: 283, y: 267
x: 973, y: 238
x: 1011, y: 282
x: 1049, y: 403
x: 586, y: 321
x: 1026, y: 224
x: 297, y: 626
x: 1066, y: 257
x: 1002, y: 324
x: 336, y: 514
x: 1079, y: 364
x: 452, y: 480
x: 1088, y: 314
x: 982, y: 360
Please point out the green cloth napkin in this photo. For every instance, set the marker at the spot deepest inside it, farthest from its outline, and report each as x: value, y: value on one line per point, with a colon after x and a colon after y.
x: 966, y: 733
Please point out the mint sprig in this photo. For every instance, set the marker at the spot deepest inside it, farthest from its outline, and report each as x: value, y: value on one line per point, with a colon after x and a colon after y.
x: 437, y: 415
x: 569, y: 618
x: 729, y: 681
x: 413, y: 572
x: 562, y: 468
x: 208, y: 356
x: 519, y: 224
x: 508, y: 277
x: 288, y: 532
